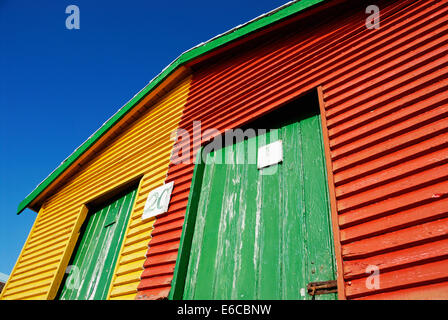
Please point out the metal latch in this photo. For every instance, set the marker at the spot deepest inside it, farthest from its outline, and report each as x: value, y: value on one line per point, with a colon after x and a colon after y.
x: 322, y: 287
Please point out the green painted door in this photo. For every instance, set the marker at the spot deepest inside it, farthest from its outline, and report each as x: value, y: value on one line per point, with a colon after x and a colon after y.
x: 94, y: 261
x: 263, y: 234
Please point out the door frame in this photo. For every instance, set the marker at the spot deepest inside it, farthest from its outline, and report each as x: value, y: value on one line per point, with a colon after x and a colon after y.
x: 332, y: 195
x: 86, y: 209
x: 183, y: 257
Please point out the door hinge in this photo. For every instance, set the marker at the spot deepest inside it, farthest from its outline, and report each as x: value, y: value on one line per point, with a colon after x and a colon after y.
x: 322, y: 287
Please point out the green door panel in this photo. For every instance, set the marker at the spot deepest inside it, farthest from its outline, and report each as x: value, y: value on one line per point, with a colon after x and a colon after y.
x: 93, y: 264
x: 263, y: 234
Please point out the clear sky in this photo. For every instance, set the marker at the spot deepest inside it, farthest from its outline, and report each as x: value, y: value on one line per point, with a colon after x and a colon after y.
x: 57, y: 86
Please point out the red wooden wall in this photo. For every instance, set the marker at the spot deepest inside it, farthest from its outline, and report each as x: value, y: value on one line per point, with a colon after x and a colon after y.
x: 386, y: 107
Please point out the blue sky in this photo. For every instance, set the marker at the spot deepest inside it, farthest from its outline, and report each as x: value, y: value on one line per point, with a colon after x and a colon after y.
x: 57, y: 86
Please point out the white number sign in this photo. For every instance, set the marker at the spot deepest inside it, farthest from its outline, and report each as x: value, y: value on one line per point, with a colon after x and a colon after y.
x: 158, y: 201
x: 270, y: 154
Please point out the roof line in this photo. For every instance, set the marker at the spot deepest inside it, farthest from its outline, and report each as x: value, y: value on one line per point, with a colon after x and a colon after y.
x: 238, y: 32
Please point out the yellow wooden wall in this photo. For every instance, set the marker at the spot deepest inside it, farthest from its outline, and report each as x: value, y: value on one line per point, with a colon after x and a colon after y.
x: 142, y: 150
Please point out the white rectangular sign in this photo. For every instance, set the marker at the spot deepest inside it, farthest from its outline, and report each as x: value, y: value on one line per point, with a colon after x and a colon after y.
x: 158, y: 201
x: 270, y: 154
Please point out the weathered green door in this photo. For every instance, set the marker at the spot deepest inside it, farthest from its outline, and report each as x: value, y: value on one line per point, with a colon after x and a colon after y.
x: 94, y: 261
x: 263, y: 234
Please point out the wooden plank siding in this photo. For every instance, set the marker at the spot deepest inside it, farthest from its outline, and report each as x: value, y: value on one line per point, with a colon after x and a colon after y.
x: 384, y: 94
x: 141, y: 151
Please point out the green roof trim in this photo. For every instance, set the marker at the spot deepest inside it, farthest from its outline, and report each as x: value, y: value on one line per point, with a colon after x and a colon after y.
x: 267, y: 19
